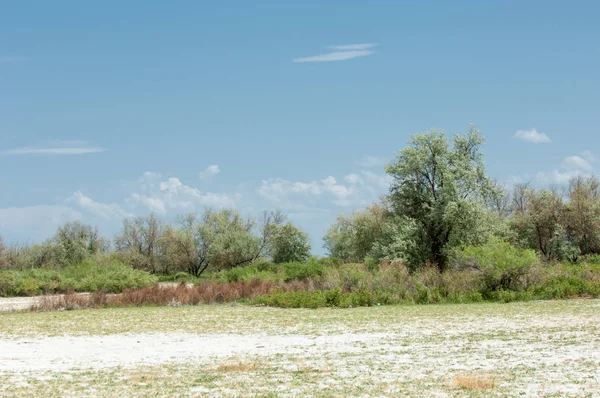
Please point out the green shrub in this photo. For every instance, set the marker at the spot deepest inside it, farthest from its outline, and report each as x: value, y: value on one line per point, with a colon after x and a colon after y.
x: 90, y: 276
x: 308, y: 299
x: 334, y: 297
x: 562, y: 287
x: 363, y: 297
x: 348, y: 277
x: 371, y: 263
x: 502, y: 266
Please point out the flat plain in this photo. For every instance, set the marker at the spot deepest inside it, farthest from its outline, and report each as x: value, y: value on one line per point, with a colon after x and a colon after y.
x: 541, y: 348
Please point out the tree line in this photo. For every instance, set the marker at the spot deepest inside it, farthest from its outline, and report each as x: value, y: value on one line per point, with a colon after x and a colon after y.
x: 440, y: 199
x: 215, y: 240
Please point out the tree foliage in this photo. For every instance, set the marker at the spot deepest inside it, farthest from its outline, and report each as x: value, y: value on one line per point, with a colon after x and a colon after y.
x: 440, y: 189
x: 289, y: 244
x: 353, y: 237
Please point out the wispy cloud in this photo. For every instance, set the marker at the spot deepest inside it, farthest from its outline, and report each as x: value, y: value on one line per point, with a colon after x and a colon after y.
x: 571, y: 167
x: 103, y: 210
x: 533, y: 136
x: 371, y: 161
x: 340, y: 53
x: 210, y: 172
x: 11, y: 59
x: 60, y: 148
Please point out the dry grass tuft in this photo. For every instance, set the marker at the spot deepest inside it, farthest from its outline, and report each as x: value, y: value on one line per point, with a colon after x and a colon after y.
x: 207, y: 292
x: 474, y: 382
x: 237, y: 367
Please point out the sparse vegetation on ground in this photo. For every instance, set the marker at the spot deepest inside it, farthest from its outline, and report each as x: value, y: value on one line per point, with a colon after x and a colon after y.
x: 531, y: 349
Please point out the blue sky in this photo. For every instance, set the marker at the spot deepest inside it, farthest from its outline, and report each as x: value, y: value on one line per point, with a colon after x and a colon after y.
x: 113, y: 109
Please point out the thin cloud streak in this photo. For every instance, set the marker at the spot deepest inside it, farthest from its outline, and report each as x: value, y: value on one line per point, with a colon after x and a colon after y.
x: 335, y: 56
x: 52, y: 151
x: 11, y: 59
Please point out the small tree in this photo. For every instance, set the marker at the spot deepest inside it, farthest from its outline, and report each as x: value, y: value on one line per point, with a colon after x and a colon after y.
x: 139, y: 242
x: 229, y: 239
x: 3, y: 261
x: 289, y: 244
x: 216, y: 239
x: 75, y: 241
x: 537, y: 215
x: 582, y: 214
x: 353, y: 237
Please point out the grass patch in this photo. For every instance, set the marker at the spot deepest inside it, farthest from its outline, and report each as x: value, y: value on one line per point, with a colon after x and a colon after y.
x: 237, y: 366
x: 474, y: 382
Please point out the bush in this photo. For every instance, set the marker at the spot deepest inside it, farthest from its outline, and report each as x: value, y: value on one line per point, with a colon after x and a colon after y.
x: 310, y: 299
x: 90, y: 276
x: 363, y: 297
x: 502, y: 266
x: 267, y: 271
x: 563, y: 287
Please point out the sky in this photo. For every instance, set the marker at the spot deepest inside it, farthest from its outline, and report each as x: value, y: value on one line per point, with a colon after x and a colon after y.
x: 116, y: 109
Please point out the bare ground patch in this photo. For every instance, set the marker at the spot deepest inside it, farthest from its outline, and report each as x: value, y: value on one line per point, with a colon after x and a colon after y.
x: 521, y: 349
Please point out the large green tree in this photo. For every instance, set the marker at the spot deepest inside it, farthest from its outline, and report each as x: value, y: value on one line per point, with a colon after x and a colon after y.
x: 439, y: 191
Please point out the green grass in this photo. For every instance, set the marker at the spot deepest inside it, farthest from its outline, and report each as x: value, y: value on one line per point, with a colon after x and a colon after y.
x: 224, y: 318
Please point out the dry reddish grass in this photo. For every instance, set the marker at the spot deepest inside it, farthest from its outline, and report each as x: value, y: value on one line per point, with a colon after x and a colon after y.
x: 236, y: 367
x: 206, y: 292
x: 474, y: 382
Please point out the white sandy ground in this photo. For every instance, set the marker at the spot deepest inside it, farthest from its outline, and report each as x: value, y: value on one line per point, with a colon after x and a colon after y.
x: 538, y: 353
x: 8, y: 304
x: 11, y: 304
x: 98, y: 352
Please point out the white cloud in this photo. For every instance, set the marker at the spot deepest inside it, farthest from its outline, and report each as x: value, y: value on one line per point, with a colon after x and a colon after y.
x: 589, y: 156
x: 341, y: 53
x: 371, y: 161
x: 353, y: 178
x: 34, y: 223
x: 106, y: 211
x: 286, y: 193
x: 533, y: 136
x: 61, y: 148
x: 559, y: 177
x: 210, y: 172
x: 334, y: 56
x: 360, y: 189
x: 349, y: 47
x: 381, y: 181
x: 571, y: 167
x: 155, y: 205
x: 576, y: 163
x: 11, y: 59
x: 171, y: 194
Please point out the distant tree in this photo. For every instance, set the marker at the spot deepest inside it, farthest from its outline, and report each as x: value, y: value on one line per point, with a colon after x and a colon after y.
x: 582, y: 214
x: 499, y: 200
x: 139, y: 242
x: 289, y: 244
x: 213, y: 240
x: 75, y: 241
x: 352, y: 237
x: 440, y: 191
x: 3, y: 260
x: 227, y: 239
x: 537, y: 218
